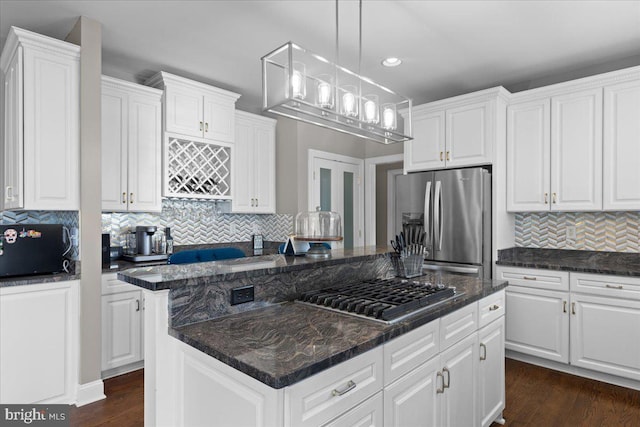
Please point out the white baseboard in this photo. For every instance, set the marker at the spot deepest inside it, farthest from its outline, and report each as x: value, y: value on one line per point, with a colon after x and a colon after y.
x: 114, y: 372
x: 90, y: 392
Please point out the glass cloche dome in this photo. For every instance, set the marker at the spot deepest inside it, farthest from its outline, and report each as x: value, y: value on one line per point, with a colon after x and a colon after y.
x: 318, y: 227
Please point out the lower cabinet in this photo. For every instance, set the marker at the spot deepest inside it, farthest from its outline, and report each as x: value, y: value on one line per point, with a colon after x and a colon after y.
x: 491, y: 380
x: 39, y: 343
x: 122, y: 326
x: 594, y: 324
x: 366, y: 414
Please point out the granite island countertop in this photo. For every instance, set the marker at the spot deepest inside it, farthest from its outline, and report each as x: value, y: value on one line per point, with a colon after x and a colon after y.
x: 282, y: 344
x: 597, y: 262
x: 162, y: 277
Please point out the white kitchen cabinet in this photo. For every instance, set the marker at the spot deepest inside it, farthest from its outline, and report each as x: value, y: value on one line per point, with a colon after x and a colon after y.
x: 460, y: 378
x: 554, y: 153
x: 122, y: 326
x: 40, y: 343
x: 621, y: 154
x: 367, y: 414
x: 576, y: 151
x: 605, y: 324
x: 131, y: 147
x: 41, y: 116
x: 491, y: 379
x: 454, y: 132
x: 253, y: 164
x: 195, y: 109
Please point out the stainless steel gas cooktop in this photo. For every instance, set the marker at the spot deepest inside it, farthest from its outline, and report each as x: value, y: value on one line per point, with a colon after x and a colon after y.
x: 386, y: 300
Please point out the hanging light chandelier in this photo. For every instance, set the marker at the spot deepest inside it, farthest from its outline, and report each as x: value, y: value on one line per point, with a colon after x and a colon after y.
x: 305, y: 86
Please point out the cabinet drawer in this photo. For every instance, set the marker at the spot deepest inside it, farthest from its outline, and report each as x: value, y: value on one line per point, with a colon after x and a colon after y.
x: 410, y: 350
x: 490, y: 308
x: 457, y: 325
x: 535, y: 278
x: 366, y: 414
x: 111, y: 285
x: 612, y: 286
x: 330, y: 393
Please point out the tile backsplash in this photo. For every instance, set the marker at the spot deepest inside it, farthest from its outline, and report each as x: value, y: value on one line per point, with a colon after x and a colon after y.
x: 198, y: 222
x: 595, y: 231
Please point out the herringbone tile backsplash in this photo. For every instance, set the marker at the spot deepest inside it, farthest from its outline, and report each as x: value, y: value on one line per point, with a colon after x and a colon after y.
x: 595, y: 231
x: 197, y: 222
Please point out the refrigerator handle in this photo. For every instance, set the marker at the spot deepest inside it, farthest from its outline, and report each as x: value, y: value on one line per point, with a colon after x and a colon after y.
x: 437, y: 217
x: 427, y: 212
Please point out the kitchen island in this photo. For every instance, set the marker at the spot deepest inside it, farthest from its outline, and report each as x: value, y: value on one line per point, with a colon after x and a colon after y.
x: 256, y: 363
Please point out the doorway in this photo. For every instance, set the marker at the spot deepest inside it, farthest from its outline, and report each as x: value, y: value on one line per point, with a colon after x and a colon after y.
x: 335, y: 184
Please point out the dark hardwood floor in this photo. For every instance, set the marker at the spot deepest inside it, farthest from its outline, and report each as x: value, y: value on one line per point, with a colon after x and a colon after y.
x: 536, y: 397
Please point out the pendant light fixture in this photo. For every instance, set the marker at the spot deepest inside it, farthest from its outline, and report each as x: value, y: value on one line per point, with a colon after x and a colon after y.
x: 305, y: 86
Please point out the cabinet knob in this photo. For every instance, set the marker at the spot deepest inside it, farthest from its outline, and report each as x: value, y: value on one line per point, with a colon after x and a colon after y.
x: 564, y: 306
x: 441, y: 154
x: 554, y: 198
x: 137, y: 305
x: 448, y: 383
x: 448, y: 157
x: 124, y: 198
x: 494, y: 307
x: 200, y: 126
x: 206, y: 127
x: 483, y: 354
x: 131, y: 198
x: 257, y: 203
x: 573, y: 308
x: 546, y: 198
x: 439, y: 375
x: 350, y: 386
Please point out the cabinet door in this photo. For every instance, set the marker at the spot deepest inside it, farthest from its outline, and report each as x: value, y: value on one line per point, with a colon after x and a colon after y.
x: 218, y: 118
x: 469, y: 136
x: 491, y: 382
x: 13, y: 191
x: 51, y: 131
x: 184, y: 111
x: 121, y: 329
x: 264, y: 168
x: 144, y: 154
x: 366, y: 414
x: 242, y: 169
x: 605, y: 335
x: 413, y: 400
x: 460, y: 372
x: 529, y: 156
x: 576, y: 151
x: 621, y: 190
x: 538, y: 323
x: 426, y: 150
x: 115, y: 113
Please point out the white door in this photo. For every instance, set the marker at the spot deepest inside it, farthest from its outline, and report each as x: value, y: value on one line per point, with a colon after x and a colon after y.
x: 491, y: 383
x: 184, y: 111
x: 115, y: 114
x: 469, y: 137
x: 13, y: 135
x: 219, y: 117
x: 621, y: 147
x: 335, y: 185
x: 576, y: 151
x: 529, y: 156
x: 459, y: 369
x: 264, y: 154
x: 121, y: 329
x: 426, y: 150
x: 538, y: 323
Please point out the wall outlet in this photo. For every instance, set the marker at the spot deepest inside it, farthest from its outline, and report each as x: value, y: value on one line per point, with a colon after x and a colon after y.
x: 571, y: 233
x: 242, y: 295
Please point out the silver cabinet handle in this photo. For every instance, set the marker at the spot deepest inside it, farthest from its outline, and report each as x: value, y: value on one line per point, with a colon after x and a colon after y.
x: 131, y: 198
x: 440, y: 390
x: 206, y: 127
x: 546, y: 198
x: 554, y: 198
x: 529, y: 278
x: 448, y: 383
x: 257, y: 203
x: 350, y: 386
x: 8, y: 193
x: 564, y: 306
x: 124, y: 198
x: 573, y: 308
x: 137, y: 305
x: 483, y: 355
x: 200, y: 126
x: 613, y: 286
x: 494, y: 307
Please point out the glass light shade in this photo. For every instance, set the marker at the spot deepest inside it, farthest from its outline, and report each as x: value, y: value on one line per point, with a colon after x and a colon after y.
x: 324, y: 91
x: 370, y: 113
x: 389, y: 117
x: 349, y: 101
x: 298, y: 85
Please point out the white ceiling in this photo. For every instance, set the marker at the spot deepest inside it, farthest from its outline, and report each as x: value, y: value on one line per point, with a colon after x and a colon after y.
x: 448, y: 47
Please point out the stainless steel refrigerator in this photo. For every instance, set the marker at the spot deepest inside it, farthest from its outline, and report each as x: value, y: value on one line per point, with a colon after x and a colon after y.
x: 454, y: 207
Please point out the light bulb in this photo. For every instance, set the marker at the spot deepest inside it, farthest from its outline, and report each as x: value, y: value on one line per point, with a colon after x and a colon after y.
x: 370, y: 108
x: 389, y: 116
x: 324, y: 92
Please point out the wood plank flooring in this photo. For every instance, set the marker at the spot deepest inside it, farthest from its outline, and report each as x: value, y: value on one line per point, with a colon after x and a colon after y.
x: 536, y: 397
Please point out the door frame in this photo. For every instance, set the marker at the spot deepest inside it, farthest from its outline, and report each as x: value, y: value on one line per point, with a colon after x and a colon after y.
x: 370, y: 189
x: 358, y: 239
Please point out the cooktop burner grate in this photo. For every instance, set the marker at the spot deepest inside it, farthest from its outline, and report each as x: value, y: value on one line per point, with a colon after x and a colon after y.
x: 388, y: 300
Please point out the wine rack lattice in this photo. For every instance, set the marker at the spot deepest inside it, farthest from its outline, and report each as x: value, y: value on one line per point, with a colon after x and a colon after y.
x: 197, y: 169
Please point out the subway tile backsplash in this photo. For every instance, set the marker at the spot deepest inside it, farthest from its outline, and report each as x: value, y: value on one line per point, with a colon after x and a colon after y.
x: 595, y: 231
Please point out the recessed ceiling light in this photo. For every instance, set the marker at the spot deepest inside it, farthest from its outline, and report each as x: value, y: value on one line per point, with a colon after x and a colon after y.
x: 391, y: 62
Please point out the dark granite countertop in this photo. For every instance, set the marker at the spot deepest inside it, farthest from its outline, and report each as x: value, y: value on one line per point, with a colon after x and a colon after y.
x: 614, y: 263
x: 37, y: 279
x: 171, y: 276
x: 285, y: 343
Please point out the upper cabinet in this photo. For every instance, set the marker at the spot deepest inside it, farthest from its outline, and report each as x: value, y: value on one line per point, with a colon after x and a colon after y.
x: 131, y: 147
x: 195, y: 109
x: 41, y: 116
x: 557, y: 157
x: 621, y: 184
x: 254, y: 164
x: 198, y: 137
x: 455, y: 132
